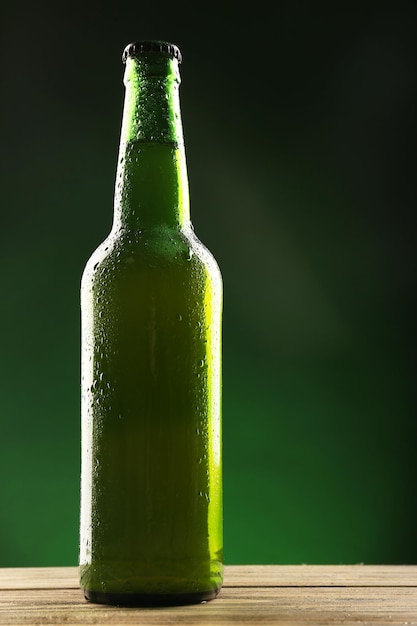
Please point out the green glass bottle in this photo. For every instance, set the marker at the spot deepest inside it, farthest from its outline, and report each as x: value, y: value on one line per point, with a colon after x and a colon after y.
x: 151, y: 304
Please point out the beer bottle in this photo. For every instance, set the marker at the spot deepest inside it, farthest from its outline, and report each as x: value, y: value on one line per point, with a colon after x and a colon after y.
x: 151, y: 307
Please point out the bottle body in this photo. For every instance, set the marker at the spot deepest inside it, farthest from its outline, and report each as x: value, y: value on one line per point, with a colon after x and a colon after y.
x: 151, y: 487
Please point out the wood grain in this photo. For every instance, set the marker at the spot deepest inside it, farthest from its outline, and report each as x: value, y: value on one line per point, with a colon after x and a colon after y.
x: 292, y: 595
x: 239, y: 576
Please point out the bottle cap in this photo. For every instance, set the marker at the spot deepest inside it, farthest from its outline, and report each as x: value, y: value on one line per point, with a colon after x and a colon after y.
x: 137, y: 48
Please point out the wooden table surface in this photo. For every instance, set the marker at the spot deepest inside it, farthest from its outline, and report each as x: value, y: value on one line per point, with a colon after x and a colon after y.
x: 252, y: 594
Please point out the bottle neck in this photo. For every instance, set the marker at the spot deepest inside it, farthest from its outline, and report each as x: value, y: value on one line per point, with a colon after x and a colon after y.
x: 151, y: 180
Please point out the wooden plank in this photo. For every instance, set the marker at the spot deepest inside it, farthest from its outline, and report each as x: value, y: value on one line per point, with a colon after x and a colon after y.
x: 321, y: 575
x: 292, y: 606
x: 39, y: 578
x: 239, y: 576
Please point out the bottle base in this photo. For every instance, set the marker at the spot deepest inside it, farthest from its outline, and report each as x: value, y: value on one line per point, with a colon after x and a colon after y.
x: 149, y: 599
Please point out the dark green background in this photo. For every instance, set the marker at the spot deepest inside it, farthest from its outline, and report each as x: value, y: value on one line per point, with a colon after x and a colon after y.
x: 300, y: 125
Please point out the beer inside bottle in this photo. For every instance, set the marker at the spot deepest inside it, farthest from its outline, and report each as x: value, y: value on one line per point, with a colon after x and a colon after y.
x: 151, y: 303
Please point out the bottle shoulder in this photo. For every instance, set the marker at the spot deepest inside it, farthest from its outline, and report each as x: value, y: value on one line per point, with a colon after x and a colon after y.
x: 150, y: 250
